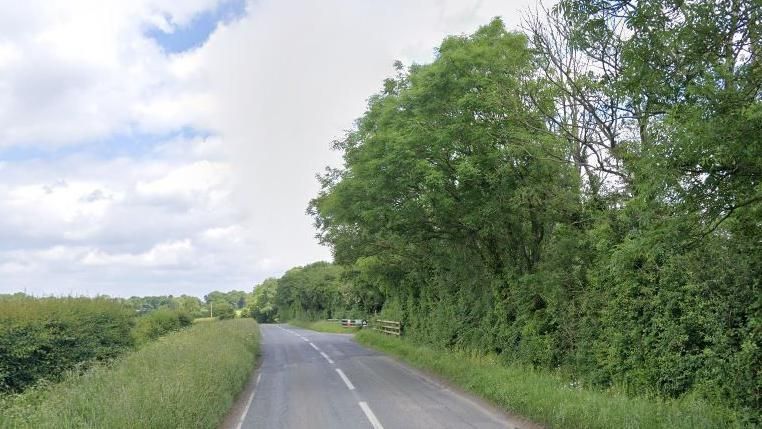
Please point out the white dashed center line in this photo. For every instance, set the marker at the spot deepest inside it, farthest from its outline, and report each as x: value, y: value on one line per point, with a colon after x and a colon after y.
x: 327, y: 358
x: 343, y: 376
x: 369, y: 414
x: 363, y: 405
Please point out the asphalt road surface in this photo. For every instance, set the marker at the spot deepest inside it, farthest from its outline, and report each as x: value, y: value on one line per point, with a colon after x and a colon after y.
x: 314, y: 380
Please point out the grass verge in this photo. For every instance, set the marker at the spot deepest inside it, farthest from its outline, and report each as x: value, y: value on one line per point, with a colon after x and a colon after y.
x: 323, y: 326
x: 187, y: 379
x: 547, y: 399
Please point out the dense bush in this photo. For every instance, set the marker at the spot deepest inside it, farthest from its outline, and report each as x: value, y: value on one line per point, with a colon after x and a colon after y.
x: 224, y: 310
x: 42, y: 338
x: 187, y: 379
x: 159, y: 322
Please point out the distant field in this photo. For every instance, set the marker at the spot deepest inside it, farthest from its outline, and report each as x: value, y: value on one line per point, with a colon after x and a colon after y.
x: 548, y: 399
x: 188, y: 379
x: 323, y: 326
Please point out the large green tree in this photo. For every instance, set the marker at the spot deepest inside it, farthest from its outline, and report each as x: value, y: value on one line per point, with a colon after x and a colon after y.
x: 585, y: 196
x: 452, y: 191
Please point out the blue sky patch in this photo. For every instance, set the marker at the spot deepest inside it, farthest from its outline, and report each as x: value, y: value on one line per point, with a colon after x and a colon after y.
x: 199, y: 29
x: 132, y: 145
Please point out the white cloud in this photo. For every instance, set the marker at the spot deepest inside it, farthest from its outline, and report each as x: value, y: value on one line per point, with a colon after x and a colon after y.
x: 123, y: 226
x: 81, y: 70
x: 201, y: 181
x: 228, y: 234
x: 190, y: 214
x: 166, y: 254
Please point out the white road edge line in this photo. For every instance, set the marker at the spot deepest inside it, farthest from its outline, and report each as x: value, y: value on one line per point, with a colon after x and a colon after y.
x: 305, y: 339
x: 248, y: 404
x: 369, y: 414
x: 327, y: 358
x: 314, y: 346
x: 346, y: 380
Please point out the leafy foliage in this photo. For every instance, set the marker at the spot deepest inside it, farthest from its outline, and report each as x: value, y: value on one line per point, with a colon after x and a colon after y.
x: 262, y: 305
x: 184, y: 303
x: 311, y: 292
x: 235, y: 298
x: 42, y: 338
x: 223, y: 310
x: 158, y: 323
x: 316, y: 291
x: 584, y: 197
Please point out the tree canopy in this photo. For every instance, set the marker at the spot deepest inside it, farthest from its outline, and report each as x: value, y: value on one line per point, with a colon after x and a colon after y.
x: 585, y: 194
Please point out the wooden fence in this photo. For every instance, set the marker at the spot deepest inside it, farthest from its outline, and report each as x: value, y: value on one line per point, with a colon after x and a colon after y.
x: 390, y: 327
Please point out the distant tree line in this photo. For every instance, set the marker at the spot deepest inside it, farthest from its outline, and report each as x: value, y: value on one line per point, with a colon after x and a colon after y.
x: 316, y: 291
x: 583, y: 195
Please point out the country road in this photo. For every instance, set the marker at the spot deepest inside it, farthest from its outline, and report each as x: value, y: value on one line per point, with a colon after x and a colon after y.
x: 315, y: 380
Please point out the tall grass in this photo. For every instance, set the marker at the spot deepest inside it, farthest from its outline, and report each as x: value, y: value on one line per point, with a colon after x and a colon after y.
x: 548, y: 399
x: 188, y: 379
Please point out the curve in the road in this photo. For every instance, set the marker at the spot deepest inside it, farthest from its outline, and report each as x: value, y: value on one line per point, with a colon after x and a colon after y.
x: 315, y: 380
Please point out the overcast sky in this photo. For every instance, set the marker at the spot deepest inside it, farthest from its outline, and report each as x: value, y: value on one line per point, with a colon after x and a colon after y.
x: 165, y: 147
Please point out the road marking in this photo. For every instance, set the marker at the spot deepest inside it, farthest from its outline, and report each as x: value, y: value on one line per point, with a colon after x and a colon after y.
x: 248, y: 404
x: 346, y: 380
x: 305, y: 339
x: 327, y: 358
x: 314, y: 346
x: 369, y: 414
x: 288, y: 330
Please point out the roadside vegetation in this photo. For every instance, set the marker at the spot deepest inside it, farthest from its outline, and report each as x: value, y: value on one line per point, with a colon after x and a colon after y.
x: 186, y: 379
x: 549, y: 398
x: 580, y: 197
x: 157, y: 323
x: 43, y: 338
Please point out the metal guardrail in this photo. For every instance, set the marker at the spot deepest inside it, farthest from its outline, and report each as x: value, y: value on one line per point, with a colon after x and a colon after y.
x: 390, y: 327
